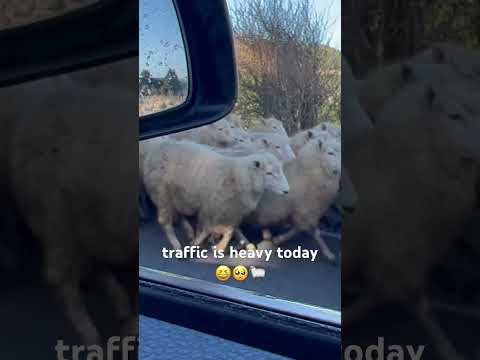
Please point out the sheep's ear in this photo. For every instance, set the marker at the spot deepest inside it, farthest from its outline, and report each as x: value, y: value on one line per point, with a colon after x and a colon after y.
x: 324, y: 127
x: 407, y: 72
x: 438, y: 55
x: 320, y: 144
x: 256, y: 163
x: 310, y: 134
x: 431, y: 95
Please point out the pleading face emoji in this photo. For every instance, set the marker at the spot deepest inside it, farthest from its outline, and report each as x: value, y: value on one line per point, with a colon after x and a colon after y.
x: 240, y: 273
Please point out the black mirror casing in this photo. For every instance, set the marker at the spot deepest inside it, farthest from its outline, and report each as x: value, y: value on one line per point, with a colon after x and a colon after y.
x: 212, y: 71
x: 70, y: 42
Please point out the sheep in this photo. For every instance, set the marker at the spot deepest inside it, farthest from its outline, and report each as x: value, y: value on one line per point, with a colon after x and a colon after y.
x: 423, y: 193
x: 276, y: 144
x: 144, y: 147
x: 72, y: 183
x: 314, y: 180
x: 347, y: 195
x: 464, y: 61
x: 271, y: 143
x: 299, y: 140
x: 355, y: 122
x: 234, y: 120
x: 190, y: 179
x: 320, y: 131
x: 270, y: 125
x: 218, y: 134
x: 383, y: 84
x: 331, y: 128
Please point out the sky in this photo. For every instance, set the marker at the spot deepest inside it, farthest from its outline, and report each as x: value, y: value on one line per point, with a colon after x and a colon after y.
x: 161, y: 45
x: 336, y: 14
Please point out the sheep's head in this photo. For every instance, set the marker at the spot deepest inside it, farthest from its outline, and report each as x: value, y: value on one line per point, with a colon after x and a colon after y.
x: 456, y: 123
x: 223, y: 133
x: 465, y: 62
x: 322, y: 154
x: 272, y: 171
x: 278, y: 145
x: 274, y: 125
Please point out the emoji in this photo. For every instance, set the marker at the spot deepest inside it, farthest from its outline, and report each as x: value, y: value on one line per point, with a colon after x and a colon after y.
x: 257, y: 273
x: 223, y: 273
x: 240, y: 273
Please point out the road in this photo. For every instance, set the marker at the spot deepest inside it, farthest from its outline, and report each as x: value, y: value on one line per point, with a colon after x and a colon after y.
x: 315, y: 283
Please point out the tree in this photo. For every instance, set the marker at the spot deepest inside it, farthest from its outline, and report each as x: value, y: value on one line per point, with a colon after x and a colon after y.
x: 281, y: 45
x: 378, y: 32
x: 145, y: 76
x: 172, y: 82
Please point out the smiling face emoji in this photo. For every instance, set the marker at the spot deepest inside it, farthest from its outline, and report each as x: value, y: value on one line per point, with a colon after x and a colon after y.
x: 240, y: 273
x: 223, y: 273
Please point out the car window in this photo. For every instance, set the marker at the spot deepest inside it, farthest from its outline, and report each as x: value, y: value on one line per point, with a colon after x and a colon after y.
x: 250, y: 200
x: 163, y: 71
x: 20, y: 13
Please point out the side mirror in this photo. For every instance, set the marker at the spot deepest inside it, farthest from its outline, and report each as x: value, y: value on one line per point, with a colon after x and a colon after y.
x: 199, y: 57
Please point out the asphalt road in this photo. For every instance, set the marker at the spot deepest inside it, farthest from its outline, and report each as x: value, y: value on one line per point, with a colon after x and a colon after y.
x: 315, y: 283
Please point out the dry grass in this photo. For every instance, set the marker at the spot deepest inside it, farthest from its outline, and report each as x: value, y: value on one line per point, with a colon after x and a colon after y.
x: 156, y: 103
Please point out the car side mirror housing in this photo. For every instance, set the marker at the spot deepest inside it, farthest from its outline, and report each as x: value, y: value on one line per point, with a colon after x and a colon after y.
x: 210, y: 59
x: 99, y: 32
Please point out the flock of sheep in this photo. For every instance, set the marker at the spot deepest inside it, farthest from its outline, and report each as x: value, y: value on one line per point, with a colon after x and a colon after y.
x: 411, y: 149
x: 223, y: 176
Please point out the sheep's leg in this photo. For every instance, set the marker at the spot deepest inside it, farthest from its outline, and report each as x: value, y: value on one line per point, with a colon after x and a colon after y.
x: 266, y: 234
x: 242, y: 239
x: 227, y: 236
x: 76, y: 311
x: 130, y: 327
x: 117, y: 294
x: 187, y: 228
x: 267, y: 241
x: 165, y: 219
x: 440, y: 341
x: 172, y: 236
x: 280, y: 239
x: 200, y: 238
x: 323, y: 246
x: 62, y: 278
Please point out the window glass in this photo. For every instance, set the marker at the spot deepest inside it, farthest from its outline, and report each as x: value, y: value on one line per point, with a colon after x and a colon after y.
x: 258, y: 188
x: 163, y: 70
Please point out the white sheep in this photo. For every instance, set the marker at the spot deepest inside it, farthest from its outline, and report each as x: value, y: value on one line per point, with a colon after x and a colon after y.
x: 420, y: 159
x: 190, y: 179
x: 333, y: 129
x: 218, y: 134
x: 276, y: 144
x: 234, y: 120
x: 270, y: 125
x: 72, y: 183
x: 299, y: 140
x: 383, y: 84
x: 314, y: 181
x: 464, y: 61
x: 355, y: 122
